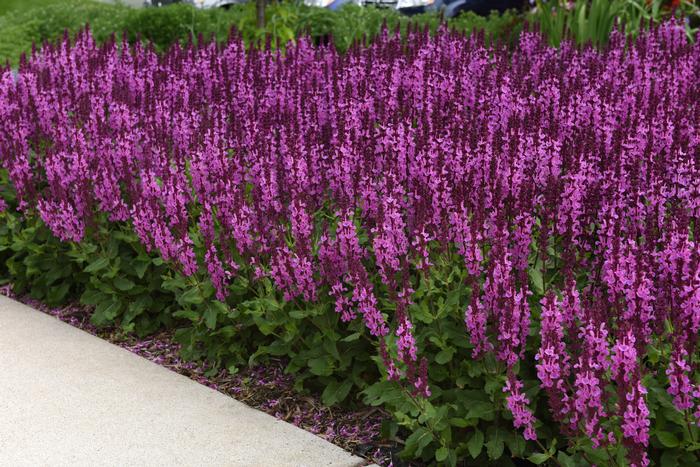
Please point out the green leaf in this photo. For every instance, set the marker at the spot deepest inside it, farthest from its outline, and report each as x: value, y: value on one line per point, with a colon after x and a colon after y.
x: 669, y: 458
x: 476, y: 443
x: 298, y: 314
x: 186, y: 313
x: 459, y: 422
x: 384, y: 392
x: 210, y: 315
x: 536, y: 281
x: 320, y: 366
x: 351, y: 338
x: 539, y: 458
x: 105, y: 313
x: 516, y: 444
x: 668, y: 439
x: 97, y: 265
x: 123, y: 284
x: 441, y: 454
x: 495, y: 445
x: 133, y: 310
x: 336, y: 392
x: 483, y: 410
x: 422, y: 313
x: 418, y: 440
x: 566, y: 460
x: 191, y: 297
x: 445, y: 355
x: 93, y: 297
x: 389, y: 429
x: 57, y: 294
x: 140, y: 268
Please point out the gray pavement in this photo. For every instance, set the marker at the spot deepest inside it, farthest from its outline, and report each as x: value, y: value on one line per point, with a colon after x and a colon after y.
x: 68, y: 398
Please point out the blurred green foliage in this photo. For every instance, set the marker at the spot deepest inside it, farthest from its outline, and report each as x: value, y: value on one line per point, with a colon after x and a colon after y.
x: 163, y: 26
x: 585, y: 21
x: 592, y: 21
x: 12, y: 5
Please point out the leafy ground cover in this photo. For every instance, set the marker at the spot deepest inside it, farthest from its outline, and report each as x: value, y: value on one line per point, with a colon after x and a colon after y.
x: 497, y: 247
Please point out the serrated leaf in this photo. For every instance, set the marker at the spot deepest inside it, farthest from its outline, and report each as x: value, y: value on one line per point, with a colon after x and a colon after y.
x: 668, y: 439
x: 93, y: 297
x: 336, y: 392
x: 57, y: 294
x: 418, y: 440
x: 565, y: 460
x: 539, y: 458
x: 536, y: 281
x: 476, y: 444
x: 381, y: 393
x: 669, y: 458
x: 191, y: 297
x: 210, y: 315
x: 351, y: 338
x: 140, y: 268
x: 516, y: 444
x: 483, y: 410
x: 298, y: 314
x: 105, y: 313
x: 97, y: 265
x: 186, y: 313
x: 495, y: 444
x: 123, y: 284
x: 320, y: 366
x: 459, y: 422
x: 444, y: 356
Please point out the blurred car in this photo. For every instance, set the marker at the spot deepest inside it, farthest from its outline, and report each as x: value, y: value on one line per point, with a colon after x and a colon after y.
x: 330, y: 4
x: 452, y: 8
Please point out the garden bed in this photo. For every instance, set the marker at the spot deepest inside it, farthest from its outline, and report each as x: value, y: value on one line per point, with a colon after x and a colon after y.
x: 498, y: 248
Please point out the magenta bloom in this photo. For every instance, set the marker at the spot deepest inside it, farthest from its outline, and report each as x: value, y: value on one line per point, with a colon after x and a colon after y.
x: 549, y: 197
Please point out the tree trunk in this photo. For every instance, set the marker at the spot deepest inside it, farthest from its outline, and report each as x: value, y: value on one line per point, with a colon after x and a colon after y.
x: 260, y: 10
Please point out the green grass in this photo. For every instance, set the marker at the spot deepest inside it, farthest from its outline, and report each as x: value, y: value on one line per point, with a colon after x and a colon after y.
x: 7, y: 6
x: 35, y: 21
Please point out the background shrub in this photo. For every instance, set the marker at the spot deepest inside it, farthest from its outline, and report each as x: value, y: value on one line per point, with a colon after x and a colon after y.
x: 176, y: 23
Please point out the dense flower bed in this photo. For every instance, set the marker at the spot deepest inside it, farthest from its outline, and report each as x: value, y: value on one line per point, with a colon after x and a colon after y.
x: 523, y: 224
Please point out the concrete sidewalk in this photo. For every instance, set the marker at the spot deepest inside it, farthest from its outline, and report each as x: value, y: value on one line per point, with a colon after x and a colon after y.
x: 69, y: 398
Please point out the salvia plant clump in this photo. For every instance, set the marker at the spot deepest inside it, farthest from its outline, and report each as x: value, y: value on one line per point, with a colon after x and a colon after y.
x: 557, y: 189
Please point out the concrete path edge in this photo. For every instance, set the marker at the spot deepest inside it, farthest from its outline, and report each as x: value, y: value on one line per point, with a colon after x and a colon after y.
x: 70, y: 398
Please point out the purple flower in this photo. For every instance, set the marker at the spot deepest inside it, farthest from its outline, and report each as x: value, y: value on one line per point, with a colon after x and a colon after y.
x: 359, y: 177
x: 518, y: 405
